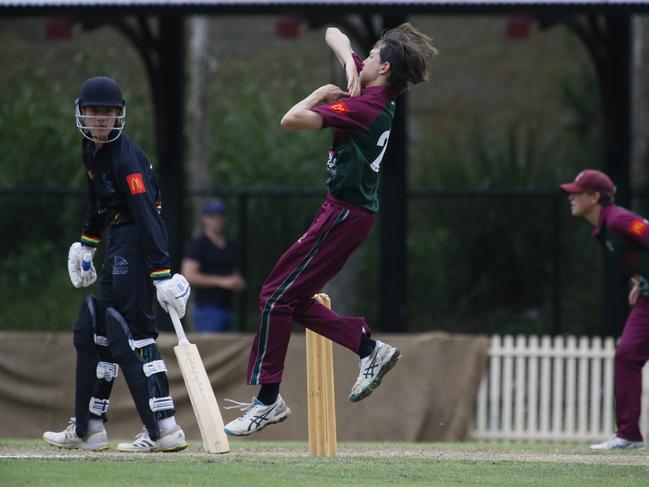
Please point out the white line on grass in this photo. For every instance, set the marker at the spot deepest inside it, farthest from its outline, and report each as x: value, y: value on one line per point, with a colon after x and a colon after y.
x: 453, y: 455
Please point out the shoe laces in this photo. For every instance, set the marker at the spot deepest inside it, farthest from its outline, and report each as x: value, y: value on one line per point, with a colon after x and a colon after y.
x: 71, y: 429
x: 249, y: 408
x: 142, y: 435
x: 243, y: 406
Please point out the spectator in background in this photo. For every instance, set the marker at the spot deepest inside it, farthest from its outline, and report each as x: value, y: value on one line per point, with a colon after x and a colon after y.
x: 210, y: 265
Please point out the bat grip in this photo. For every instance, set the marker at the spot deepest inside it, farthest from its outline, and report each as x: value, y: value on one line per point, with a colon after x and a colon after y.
x: 86, y: 262
x: 178, y: 326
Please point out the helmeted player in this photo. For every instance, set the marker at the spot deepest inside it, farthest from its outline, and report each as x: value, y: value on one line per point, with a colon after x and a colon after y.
x: 361, y: 119
x: 625, y: 236
x: 116, y: 329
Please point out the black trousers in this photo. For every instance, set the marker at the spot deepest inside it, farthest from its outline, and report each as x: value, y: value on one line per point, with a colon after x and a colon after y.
x: 125, y: 284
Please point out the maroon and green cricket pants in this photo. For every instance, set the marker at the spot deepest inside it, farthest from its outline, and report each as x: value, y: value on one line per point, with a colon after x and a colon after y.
x: 630, y: 356
x: 287, y: 294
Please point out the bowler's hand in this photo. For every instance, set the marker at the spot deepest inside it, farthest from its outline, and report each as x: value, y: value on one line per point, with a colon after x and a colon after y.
x: 353, y: 83
x: 328, y: 93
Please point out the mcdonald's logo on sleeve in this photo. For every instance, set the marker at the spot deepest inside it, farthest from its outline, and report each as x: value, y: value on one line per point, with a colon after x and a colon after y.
x: 638, y: 227
x: 135, y: 183
x: 339, y: 107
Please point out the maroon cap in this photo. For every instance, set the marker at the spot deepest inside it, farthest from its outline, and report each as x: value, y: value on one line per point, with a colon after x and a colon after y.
x: 590, y: 180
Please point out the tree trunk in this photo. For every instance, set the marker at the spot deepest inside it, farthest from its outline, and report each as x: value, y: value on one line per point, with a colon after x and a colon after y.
x: 199, y: 110
x: 639, y: 100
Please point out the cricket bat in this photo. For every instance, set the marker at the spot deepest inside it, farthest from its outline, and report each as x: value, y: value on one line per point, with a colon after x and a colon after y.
x: 201, y: 395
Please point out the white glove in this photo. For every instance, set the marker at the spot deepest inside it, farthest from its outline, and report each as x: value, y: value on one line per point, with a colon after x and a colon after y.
x: 80, y: 267
x: 173, y: 292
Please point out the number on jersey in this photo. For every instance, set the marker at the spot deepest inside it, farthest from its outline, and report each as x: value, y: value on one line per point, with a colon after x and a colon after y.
x: 382, y: 142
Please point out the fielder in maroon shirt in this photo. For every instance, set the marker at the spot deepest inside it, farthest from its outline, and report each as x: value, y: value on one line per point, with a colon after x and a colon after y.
x: 360, y: 118
x: 625, y: 236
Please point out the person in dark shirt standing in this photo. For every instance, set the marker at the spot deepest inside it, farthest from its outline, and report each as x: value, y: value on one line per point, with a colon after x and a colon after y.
x: 625, y: 236
x: 361, y: 119
x: 116, y: 330
x: 210, y: 266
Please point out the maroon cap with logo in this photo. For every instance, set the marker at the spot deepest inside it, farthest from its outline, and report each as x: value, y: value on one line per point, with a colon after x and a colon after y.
x: 590, y: 180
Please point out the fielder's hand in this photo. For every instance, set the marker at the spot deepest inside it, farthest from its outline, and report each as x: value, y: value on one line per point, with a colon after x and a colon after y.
x: 80, y: 267
x: 634, y: 294
x: 173, y: 293
x: 640, y: 288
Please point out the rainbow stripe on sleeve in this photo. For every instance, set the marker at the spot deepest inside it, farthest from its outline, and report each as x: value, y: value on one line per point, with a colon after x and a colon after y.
x: 161, y: 274
x: 90, y: 240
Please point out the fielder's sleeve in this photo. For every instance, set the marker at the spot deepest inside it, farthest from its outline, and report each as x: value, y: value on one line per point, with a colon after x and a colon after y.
x: 94, y: 222
x: 632, y: 227
x: 137, y: 182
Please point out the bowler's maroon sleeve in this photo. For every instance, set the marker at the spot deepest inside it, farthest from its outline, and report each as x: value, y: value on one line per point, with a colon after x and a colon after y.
x: 358, y: 62
x: 631, y: 226
x: 348, y: 113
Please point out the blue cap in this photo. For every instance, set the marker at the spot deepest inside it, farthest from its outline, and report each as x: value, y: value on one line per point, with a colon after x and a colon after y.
x: 214, y: 207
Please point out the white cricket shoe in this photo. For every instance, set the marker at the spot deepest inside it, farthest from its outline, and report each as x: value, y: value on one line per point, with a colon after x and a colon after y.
x: 68, y: 438
x: 170, y: 440
x: 615, y: 442
x: 373, y: 368
x: 257, y: 416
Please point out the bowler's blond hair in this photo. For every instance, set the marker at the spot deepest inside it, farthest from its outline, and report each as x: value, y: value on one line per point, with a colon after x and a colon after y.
x: 409, y: 53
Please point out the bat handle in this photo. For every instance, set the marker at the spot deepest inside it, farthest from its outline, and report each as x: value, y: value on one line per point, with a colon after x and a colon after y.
x: 86, y: 262
x: 178, y: 326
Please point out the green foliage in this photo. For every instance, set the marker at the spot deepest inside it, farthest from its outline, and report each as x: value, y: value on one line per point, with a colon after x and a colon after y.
x: 250, y: 148
x: 475, y: 264
x: 41, y: 148
x: 584, y: 121
x: 490, y: 260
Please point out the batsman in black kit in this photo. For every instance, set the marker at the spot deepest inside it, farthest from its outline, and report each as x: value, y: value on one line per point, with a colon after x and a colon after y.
x: 116, y: 330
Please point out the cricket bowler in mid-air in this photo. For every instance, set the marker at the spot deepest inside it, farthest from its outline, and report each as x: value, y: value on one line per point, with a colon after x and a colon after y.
x: 360, y: 118
x: 116, y: 330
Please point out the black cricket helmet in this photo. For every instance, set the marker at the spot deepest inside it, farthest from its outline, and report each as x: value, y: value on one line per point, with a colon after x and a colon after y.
x: 100, y: 92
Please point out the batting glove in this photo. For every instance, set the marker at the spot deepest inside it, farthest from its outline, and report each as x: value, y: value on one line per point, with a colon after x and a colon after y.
x: 173, y: 292
x: 80, y: 267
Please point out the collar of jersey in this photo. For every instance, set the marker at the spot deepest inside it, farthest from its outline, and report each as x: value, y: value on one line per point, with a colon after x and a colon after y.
x: 602, y: 218
x: 382, y: 90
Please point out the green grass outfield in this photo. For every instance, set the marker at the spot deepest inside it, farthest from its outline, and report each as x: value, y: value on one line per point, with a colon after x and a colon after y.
x: 268, y: 464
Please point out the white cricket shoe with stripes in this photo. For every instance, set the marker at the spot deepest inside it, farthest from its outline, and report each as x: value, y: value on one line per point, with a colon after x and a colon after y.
x: 373, y: 368
x: 170, y: 440
x: 68, y: 438
x: 257, y: 416
x: 615, y: 442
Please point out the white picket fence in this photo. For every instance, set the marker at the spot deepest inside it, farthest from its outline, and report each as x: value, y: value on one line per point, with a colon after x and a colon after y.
x: 558, y: 389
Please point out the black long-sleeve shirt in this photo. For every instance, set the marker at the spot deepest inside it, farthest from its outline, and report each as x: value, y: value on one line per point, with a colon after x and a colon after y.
x: 122, y: 189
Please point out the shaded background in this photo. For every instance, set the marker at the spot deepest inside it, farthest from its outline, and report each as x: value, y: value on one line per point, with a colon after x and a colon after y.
x: 511, y: 111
